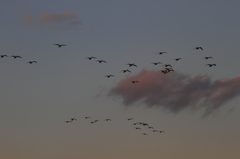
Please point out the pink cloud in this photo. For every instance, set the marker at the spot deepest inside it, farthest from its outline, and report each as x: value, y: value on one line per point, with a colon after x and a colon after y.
x: 67, y: 20
x: 175, y: 92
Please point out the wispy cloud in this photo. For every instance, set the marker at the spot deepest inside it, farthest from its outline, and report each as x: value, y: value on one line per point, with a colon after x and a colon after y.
x: 175, y: 91
x: 67, y: 20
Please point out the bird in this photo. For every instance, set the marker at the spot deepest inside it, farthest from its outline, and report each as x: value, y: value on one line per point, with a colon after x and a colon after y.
x: 86, y: 117
x: 156, y: 63
x: 177, y: 59
x: 135, y: 81
x: 150, y: 127
x: 68, y: 121
x: 138, y: 128
x: 208, y: 57
x: 131, y: 64
x: 108, y: 76
x: 197, y: 48
x: 2, y: 56
x: 90, y: 58
x: 130, y: 119
x: 16, y: 56
x: 72, y: 119
x: 161, y: 132
x: 60, y: 45
x: 124, y: 71
x: 30, y: 62
x: 145, y: 134
x: 108, y: 120
x: 100, y: 61
x: 210, y: 65
x: 167, y: 65
x: 160, y: 53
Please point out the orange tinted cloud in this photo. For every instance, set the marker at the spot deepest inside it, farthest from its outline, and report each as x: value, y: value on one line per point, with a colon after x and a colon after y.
x: 67, y: 20
x: 175, y: 92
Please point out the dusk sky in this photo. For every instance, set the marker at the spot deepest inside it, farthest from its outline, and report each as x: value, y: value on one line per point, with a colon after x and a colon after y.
x: 194, y: 106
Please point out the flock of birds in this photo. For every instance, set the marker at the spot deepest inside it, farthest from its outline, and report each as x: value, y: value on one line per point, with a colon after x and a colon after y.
x: 138, y: 125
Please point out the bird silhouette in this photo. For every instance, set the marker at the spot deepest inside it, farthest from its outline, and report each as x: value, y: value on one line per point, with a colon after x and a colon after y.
x: 145, y: 134
x: 131, y: 64
x: 130, y: 119
x: 68, y: 121
x: 86, y: 117
x: 60, y: 45
x: 30, y: 62
x: 160, y: 53
x: 138, y: 128
x: 161, y: 131
x: 108, y: 120
x: 177, y: 59
x: 156, y: 63
x: 108, y: 76
x: 198, y: 48
x: 135, y: 81
x: 167, y: 65
x: 2, y: 56
x: 124, y: 71
x: 100, y: 61
x: 208, y: 57
x: 90, y: 58
x: 72, y: 119
x: 210, y: 65
x: 16, y: 56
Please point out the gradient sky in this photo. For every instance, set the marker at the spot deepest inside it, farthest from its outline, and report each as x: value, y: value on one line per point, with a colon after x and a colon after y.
x: 197, y: 106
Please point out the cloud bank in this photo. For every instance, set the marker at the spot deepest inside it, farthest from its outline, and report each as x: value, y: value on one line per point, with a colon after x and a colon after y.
x: 175, y: 92
x: 67, y: 20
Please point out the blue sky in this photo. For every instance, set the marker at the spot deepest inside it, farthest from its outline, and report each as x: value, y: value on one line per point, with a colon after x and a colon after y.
x: 37, y: 99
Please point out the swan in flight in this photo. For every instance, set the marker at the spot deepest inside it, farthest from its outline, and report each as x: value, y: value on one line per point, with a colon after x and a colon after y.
x: 30, y: 62
x: 60, y: 45
x: 108, y: 76
x: 197, y: 48
x: 131, y: 64
x: 2, y: 56
x: 160, y: 53
x: 208, y: 57
x: 100, y: 61
x: 16, y: 56
x: 90, y: 58
x: 210, y: 65
x: 124, y: 71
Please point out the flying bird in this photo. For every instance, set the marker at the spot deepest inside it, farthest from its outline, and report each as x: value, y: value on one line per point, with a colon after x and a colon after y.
x: 2, y: 56
x: 156, y: 63
x: 72, y: 119
x: 100, y: 61
x: 210, y: 65
x: 130, y: 119
x: 208, y: 57
x: 86, y: 117
x: 90, y: 58
x: 108, y: 76
x: 177, y: 59
x: 167, y: 65
x: 124, y: 71
x: 145, y: 134
x: 155, y: 130
x: 135, y: 81
x: 131, y: 64
x: 16, y: 56
x: 60, y: 45
x: 30, y: 62
x: 108, y: 120
x: 68, y: 121
x: 138, y: 128
x: 160, y: 53
x: 161, y: 132
x: 197, y: 48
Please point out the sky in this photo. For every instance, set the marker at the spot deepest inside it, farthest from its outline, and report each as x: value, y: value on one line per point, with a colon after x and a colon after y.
x: 195, y: 105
